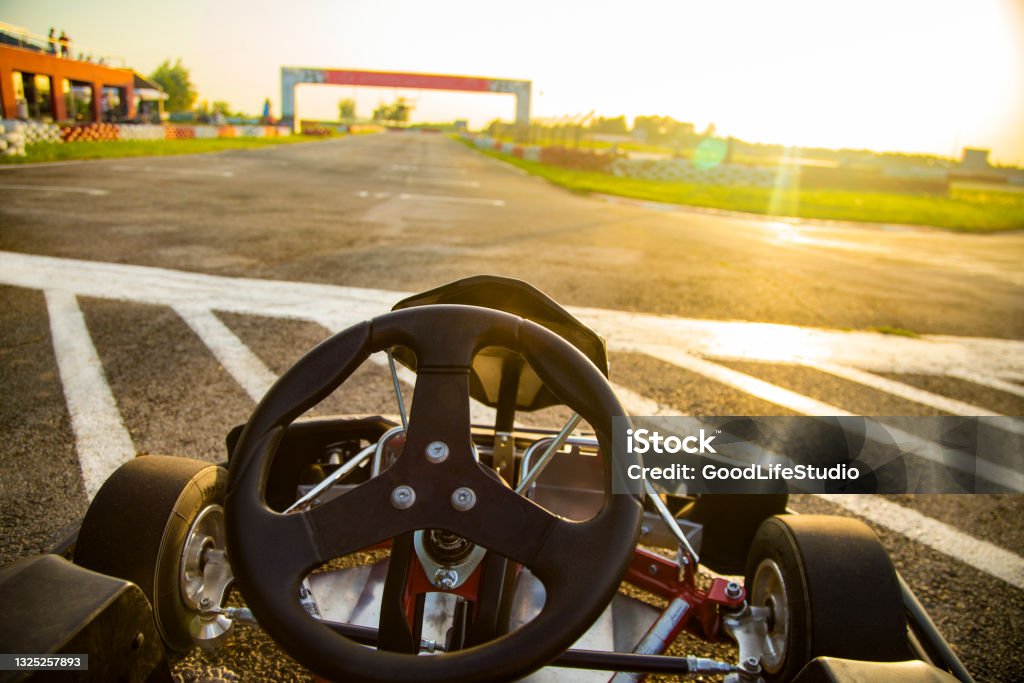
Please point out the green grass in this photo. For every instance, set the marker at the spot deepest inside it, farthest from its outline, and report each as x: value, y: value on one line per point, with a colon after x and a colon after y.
x: 962, y: 210
x: 895, y: 331
x: 53, y: 151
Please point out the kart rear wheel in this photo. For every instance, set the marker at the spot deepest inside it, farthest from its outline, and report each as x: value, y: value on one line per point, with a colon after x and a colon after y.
x: 150, y: 523
x: 831, y: 590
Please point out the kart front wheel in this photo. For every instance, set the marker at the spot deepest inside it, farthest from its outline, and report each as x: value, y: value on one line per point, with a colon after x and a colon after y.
x: 830, y: 590
x: 154, y: 522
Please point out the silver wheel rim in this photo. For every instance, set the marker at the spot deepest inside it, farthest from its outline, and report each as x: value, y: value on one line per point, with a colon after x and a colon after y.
x: 769, y: 590
x: 208, y: 531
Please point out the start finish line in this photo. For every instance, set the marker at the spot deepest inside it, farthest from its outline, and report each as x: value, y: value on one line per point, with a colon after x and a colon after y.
x: 292, y: 76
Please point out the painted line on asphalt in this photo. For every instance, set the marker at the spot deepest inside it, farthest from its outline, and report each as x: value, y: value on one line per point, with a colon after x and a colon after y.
x: 57, y: 188
x: 241, y: 363
x: 452, y: 200
x: 408, y: 168
x: 990, y: 382
x: 748, y: 384
x: 927, y: 398
x: 43, y: 164
x: 991, y: 472
x: 973, y: 358
x: 777, y: 343
x: 175, y: 171
x: 430, y: 181
x: 905, y: 391
x: 974, y: 552
x: 101, y: 440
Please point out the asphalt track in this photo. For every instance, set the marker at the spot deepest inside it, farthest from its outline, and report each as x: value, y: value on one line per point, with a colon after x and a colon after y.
x: 138, y: 316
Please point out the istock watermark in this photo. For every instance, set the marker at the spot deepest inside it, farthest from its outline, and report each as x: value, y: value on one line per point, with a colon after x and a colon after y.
x: 643, y: 441
x: 819, y: 454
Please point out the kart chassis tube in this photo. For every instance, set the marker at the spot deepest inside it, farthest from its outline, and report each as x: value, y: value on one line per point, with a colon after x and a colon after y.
x: 572, y: 659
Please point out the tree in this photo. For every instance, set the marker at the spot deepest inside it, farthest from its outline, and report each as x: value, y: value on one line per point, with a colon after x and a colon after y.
x: 175, y: 81
x: 663, y: 129
x: 610, y: 126
x: 398, y: 111
x: 346, y: 109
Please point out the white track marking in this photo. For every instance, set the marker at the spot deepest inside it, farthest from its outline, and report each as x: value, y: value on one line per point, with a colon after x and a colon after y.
x: 175, y: 171
x: 336, y: 307
x: 911, y: 393
x: 775, y: 343
x: 333, y: 307
x: 738, y: 380
x: 461, y: 170
x: 44, y: 164
x: 905, y: 391
x: 101, y: 440
x: 430, y: 181
x: 57, y: 188
x: 973, y: 552
x: 991, y: 382
x: 976, y: 466
x: 243, y: 365
x: 451, y: 200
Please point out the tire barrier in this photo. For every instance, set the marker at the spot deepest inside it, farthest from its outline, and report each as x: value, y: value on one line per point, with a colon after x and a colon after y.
x: 205, y: 132
x: 528, y: 152
x: 33, y: 131
x: 180, y: 132
x: 12, y: 138
x: 16, y: 134
x: 90, y: 132
x: 319, y: 131
x: 577, y: 159
x: 683, y: 171
x: 142, y: 132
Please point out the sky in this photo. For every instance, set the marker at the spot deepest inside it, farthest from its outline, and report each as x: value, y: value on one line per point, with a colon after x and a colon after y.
x: 927, y: 76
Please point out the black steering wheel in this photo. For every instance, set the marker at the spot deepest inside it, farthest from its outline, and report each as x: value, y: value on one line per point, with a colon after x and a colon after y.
x: 579, y: 563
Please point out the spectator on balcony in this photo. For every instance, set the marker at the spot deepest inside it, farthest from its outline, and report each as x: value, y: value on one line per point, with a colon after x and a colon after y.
x: 65, y: 45
x: 52, y: 38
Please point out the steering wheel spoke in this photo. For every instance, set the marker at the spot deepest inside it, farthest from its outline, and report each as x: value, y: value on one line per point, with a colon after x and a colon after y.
x: 439, y: 427
x: 358, y: 519
x: 509, y: 524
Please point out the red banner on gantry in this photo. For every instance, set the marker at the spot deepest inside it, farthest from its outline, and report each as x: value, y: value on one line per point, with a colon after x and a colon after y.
x: 394, y: 79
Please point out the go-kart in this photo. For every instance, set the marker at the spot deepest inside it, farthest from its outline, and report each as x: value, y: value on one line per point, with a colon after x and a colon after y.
x: 428, y: 548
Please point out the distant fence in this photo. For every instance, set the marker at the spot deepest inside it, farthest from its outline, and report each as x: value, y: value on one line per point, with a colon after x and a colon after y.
x: 15, y: 135
x: 936, y: 181
x: 683, y: 171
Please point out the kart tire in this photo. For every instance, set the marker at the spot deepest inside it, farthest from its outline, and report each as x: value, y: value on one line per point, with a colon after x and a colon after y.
x: 137, y: 526
x: 832, y: 589
x: 730, y: 522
